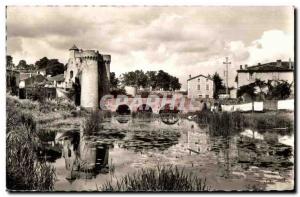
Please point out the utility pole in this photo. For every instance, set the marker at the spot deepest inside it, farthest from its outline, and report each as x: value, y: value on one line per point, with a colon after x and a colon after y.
x: 226, y: 63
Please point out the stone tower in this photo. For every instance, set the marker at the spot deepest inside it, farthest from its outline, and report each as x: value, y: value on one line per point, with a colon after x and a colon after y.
x: 91, y: 70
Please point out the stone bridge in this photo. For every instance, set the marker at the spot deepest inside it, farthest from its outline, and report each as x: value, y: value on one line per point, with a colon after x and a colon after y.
x: 152, y: 104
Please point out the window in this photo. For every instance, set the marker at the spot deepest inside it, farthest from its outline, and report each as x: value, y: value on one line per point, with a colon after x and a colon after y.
x: 71, y: 74
x: 198, y: 87
x: 207, y: 86
x: 207, y: 96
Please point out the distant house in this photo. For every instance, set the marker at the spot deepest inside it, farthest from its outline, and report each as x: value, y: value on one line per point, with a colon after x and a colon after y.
x: 200, y: 86
x: 274, y: 71
x: 57, y: 81
x: 41, y: 71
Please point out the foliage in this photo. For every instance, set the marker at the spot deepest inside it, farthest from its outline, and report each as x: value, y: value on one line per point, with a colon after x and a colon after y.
x: 135, y: 78
x: 165, y: 178
x: 24, y: 171
x: 275, y: 89
x: 114, y: 81
x: 218, y: 82
x: 92, y: 123
x: 156, y: 80
x: 119, y: 91
x: 247, y: 89
x: 9, y: 61
x: 281, y: 90
x: 22, y: 65
x: 53, y: 66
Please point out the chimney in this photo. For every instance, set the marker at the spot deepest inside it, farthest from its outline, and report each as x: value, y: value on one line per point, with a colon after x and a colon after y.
x: 246, y: 66
x: 190, y: 76
x: 278, y: 63
x: 241, y: 67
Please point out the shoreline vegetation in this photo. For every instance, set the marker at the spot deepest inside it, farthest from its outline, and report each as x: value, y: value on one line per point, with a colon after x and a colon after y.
x: 31, y: 123
x: 161, y: 178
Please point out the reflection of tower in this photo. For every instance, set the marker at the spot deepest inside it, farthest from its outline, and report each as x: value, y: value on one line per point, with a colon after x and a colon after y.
x: 83, y: 158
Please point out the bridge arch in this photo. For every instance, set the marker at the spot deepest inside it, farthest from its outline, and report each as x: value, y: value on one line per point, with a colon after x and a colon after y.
x: 168, y: 108
x: 123, y: 109
x: 144, y: 108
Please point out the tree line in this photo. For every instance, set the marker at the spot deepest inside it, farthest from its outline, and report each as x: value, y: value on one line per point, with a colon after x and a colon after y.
x: 52, y: 66
x: 156, y: 80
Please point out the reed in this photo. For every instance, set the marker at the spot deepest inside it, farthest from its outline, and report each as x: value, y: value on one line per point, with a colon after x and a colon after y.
x: 161, y: 178
x: 91, y: 124
x: 23, y: 169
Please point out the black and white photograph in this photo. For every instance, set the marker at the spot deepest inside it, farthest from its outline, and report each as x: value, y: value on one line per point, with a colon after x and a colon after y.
x: 150, y: 98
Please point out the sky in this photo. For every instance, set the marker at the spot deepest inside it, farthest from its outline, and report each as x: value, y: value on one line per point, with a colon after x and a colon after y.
x: 182, y: 41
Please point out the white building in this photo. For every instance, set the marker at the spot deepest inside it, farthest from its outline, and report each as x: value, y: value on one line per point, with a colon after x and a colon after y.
x: 200, y: 86
x: 274, y: 71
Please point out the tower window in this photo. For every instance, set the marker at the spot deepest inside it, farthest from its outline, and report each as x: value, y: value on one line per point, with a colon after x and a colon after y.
x: 207, y: 87
x: 71, y: 74
x: 198, y: 87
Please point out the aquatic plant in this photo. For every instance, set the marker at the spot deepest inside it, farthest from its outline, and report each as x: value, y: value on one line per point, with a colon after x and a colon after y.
x: 161, y: 178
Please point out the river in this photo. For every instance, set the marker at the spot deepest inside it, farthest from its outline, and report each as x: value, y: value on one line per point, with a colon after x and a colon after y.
x: 249, y: 160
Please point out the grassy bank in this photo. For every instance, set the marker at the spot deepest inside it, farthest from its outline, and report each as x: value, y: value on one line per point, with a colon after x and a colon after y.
x: 30, y: 124
x: 165, y: 178
x: 23, y: 170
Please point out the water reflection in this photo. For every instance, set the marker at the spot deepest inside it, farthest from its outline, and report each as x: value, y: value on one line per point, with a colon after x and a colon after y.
x: 84, y: 158
x: 249, y: 159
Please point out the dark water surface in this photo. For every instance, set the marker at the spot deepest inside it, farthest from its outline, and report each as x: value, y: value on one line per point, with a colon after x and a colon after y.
x: 249, y: 160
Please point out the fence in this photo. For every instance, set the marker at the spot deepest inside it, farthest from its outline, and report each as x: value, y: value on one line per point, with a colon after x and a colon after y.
x: 261, y: 106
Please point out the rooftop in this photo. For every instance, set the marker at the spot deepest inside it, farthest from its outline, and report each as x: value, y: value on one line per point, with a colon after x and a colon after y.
x: 74, y: 47
x: 59, y: 77
x: 278, y: 66
x: 207, y: 77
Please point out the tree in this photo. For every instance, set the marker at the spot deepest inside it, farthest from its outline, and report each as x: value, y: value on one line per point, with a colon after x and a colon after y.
x: 163, y: 80
x: 114, y: 81
x: 53, y: 66
x: 9, y: 61
x: 281, y: 90
x: 174, y: 83
x: 152, y: 78
x: 22, y: 64
x: 135, y: 78
x: 218, y: 82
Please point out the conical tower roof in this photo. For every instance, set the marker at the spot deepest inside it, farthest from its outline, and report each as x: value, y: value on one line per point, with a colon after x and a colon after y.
x: 74, y: 47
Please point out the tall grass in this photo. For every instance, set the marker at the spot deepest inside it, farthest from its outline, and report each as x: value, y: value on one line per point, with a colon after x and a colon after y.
x: 24, y: 171
x: 91, y: 124
x: 162, y: 178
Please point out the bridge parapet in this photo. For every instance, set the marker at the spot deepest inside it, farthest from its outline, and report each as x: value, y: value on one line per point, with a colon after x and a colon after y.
x: 183, y: 104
